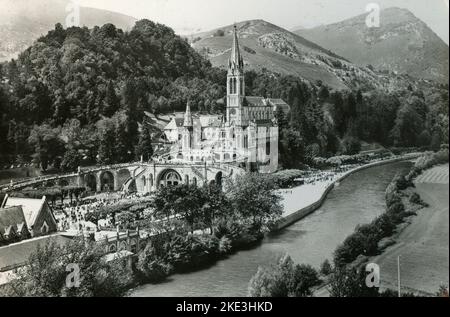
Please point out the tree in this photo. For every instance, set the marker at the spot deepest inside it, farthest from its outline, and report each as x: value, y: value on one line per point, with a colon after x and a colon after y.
x: 126, y: 219
x: 152, y: 264
x: 112, y: 102
x: 107, y: 140
x: 291, y: 148
x: 183, y: 201
x: 436, y: 142
x: 424, y: 138
x: 350, y: 145
x: 326, y: 268
x: 45, y: 275
x: 304, y: 278
x: 144, y: 147
x: 252, y: 196
x: 216, y: 206
x: 339, y: 113
x: 285, y: 279
x: 350, y: 282
x: 408, y: 126
x: 47, y: 144
x: 71, y: 161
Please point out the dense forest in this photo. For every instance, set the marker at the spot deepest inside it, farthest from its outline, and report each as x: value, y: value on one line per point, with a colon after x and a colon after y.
x: 78, y: 96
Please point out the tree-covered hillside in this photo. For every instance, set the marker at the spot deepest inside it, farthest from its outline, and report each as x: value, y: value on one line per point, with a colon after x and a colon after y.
x: 78, y: 96
x: 94, y: 75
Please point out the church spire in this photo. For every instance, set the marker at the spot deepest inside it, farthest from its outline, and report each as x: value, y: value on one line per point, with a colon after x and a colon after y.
x: 236, y: 61
x: 188, y: 116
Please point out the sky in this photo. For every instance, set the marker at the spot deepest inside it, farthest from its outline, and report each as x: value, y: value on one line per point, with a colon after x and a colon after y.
x: 189, y: 16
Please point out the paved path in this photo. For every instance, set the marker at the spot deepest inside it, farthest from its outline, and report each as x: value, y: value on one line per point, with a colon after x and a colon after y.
x: 424, y: 245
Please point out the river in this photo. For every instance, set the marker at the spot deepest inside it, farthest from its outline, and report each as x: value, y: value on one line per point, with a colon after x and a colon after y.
x: 358, y: 200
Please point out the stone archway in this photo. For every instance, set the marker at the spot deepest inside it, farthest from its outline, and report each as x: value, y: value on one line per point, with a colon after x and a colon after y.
x: 219, y: 179
x: 169, y: 177
x: 107, y: 181
x: 90, y: 182
x: 122, y: 176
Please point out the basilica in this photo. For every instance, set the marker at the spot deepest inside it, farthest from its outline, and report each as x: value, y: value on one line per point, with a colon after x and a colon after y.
x: 246, y: 135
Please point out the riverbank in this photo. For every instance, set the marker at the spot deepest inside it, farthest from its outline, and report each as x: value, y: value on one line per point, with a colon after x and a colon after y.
x: 423, y: 244
x: 301, y: 201
x: 311, y: 240
x: 392, y: 232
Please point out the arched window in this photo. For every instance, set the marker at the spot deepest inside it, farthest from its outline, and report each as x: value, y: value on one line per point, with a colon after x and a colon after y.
x: 268, y: 145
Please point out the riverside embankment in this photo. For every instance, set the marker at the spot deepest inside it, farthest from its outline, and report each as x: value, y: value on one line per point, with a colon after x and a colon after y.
x: 358, y: 200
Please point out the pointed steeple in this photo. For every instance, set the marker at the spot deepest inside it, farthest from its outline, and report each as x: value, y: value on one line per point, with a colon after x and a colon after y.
x: 236, y: 61
x: 188, y: 117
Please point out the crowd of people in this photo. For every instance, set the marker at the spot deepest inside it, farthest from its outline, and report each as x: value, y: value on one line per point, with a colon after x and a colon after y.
x: 73, y: 216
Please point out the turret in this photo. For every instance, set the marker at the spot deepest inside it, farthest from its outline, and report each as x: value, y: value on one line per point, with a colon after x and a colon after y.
x: 188, y: 122
x: 188, y: 129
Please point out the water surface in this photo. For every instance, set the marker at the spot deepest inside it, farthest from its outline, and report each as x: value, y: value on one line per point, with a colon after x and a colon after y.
x: 358, y: 200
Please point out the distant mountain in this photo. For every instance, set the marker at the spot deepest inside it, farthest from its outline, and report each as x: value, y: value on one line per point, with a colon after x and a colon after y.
x: 402, y: 43
x: 24, y: 21
x: 267, y: 46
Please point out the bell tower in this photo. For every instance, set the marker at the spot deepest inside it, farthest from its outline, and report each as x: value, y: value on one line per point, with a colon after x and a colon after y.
x: 187, y: 134
x: 235, y: 84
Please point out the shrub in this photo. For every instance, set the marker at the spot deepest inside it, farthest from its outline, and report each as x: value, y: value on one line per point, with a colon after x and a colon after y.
x: 403, y: 183
x: 225, y: 245
x: 415, y: 199
x: 283, y: 280
x: 396, y: 212
x: 384, y: 225
x: 349, y: 250
x: 304, y: 278
x: 152, y: 266
x: 350, y: 145
x: 350, y: 282
x: 219, y: 33
x: 190, y: 252
x: 326, y: 268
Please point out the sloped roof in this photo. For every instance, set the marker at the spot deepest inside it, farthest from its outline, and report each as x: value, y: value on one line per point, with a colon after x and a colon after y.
x: 175, y: 123
x: 31, y: 207
x: 210, y: 120
x: 11, y: 218
x: 15, y: 255
x: 254, y: 101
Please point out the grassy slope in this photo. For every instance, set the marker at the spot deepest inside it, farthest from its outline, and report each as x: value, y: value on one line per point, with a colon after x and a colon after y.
x: 249, y: 32
x: 402, y: 43
x: 423, y: 245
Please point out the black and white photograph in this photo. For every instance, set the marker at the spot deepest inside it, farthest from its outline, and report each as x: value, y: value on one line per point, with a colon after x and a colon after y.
x: 220, y: 149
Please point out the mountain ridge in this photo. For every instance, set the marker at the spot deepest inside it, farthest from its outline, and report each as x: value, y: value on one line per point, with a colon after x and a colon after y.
x: 403, y: 43
x: 268, y: 47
